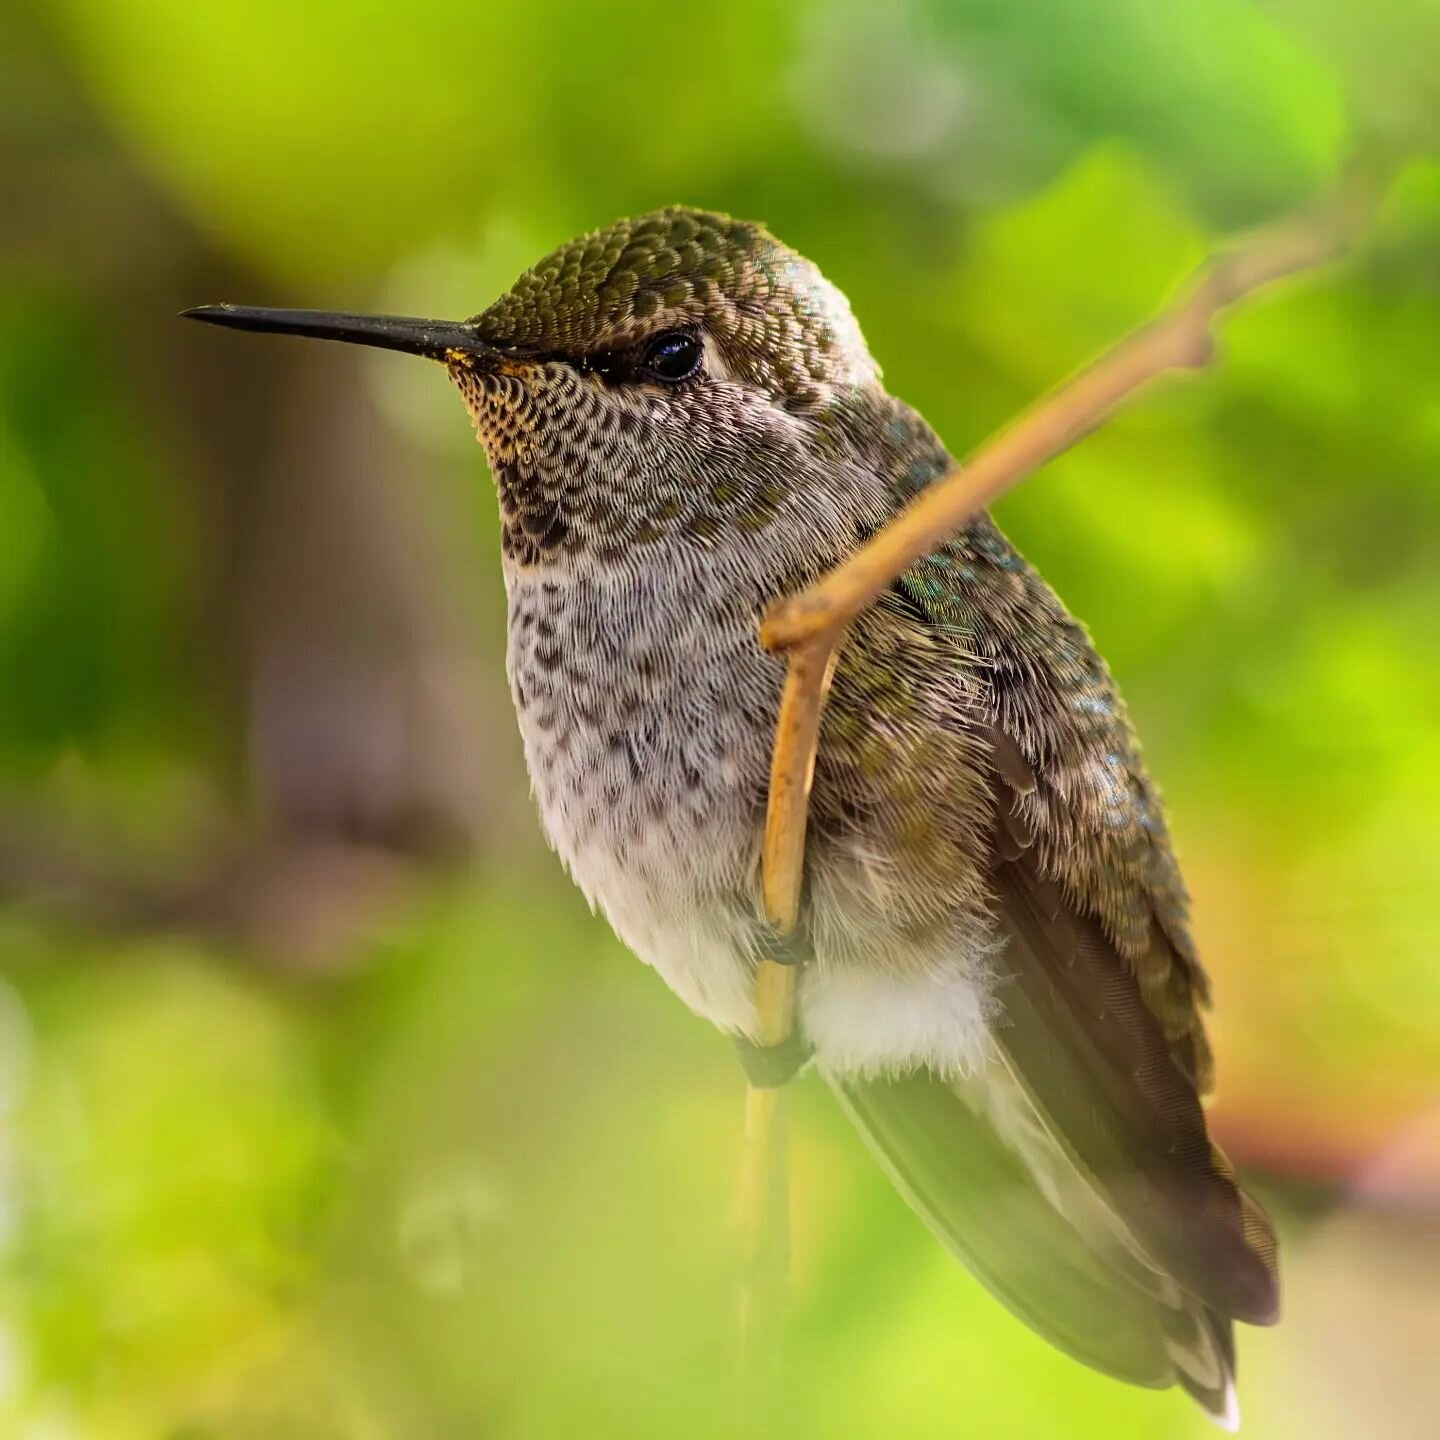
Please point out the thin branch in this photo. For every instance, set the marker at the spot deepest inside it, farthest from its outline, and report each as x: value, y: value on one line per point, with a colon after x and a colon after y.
x: 764, y: 1193
x: 1179, y: 339
x: 809, y: 628
x: 797, y: 731
x: 765, y: 1242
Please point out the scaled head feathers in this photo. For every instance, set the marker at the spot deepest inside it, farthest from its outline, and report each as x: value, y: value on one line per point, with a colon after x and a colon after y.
x: 774, y: 320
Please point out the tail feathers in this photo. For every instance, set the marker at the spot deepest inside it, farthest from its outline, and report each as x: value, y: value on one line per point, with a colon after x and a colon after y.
x: 1199, y: 1341
x: 1201, y: 1345
x: 1018, y: 1214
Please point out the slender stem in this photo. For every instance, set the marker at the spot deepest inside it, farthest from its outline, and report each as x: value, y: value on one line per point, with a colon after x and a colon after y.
x: 809, y: 628
x: 764, y: 1191
x: 1178, y: 339
x: 792, y: 770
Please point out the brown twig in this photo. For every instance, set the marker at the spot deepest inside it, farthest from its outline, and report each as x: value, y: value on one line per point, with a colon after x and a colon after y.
x: 1179, y: 339
x: 809, y: 628
x: 764, y: 1217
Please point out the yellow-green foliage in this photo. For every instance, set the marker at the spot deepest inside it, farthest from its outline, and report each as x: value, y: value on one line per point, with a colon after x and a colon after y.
x: 483, y: 1185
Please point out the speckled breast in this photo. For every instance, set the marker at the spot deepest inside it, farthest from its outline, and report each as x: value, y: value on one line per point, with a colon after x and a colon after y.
x: 646, y: 710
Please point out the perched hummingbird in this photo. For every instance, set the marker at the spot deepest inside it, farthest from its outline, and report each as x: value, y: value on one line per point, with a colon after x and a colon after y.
x: 996, y: 973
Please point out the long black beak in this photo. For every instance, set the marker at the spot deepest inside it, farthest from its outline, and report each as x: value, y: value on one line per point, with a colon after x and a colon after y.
x: 449, y: 341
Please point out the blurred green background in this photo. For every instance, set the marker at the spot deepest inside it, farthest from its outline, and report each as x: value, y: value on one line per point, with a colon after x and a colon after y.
x: 326, y: 1110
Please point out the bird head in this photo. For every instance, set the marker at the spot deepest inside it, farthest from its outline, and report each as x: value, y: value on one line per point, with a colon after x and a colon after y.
x: 678, y: 374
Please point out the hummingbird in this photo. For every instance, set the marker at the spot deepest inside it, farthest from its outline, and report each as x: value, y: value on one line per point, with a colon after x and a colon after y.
x: 996, y: 973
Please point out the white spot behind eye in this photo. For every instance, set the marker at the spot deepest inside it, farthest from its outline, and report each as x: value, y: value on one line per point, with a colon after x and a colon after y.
x: 715, y: 366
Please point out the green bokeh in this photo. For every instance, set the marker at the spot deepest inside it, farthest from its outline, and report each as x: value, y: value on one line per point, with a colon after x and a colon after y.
x: 470, y: 1172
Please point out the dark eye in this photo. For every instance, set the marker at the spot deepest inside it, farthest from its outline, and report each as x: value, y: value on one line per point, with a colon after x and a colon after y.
x: 673, y: 356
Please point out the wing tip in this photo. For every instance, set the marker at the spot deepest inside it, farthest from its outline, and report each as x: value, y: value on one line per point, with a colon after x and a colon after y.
x: 1223, y: 1410
x: 1220, y: 1403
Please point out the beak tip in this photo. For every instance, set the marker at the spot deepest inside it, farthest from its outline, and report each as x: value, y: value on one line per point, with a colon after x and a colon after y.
x: 210, y: 314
